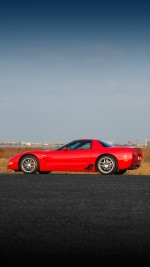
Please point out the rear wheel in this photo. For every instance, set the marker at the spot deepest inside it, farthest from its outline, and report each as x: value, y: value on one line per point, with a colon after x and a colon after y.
x: 29, y: 164
x: 106, y: 165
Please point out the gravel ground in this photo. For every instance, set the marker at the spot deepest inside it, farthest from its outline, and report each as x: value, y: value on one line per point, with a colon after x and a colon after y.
x: 75, y: 219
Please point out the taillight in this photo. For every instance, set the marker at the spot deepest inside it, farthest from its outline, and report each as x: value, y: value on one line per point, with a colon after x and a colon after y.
x: 140, y: 155
x: 137, y: 152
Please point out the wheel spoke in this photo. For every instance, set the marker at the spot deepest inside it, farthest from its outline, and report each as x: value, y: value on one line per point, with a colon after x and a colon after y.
x: 28, y: 164
x: 106, y: 165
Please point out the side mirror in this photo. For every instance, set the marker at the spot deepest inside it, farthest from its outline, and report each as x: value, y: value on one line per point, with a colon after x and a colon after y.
x: 65, y: 148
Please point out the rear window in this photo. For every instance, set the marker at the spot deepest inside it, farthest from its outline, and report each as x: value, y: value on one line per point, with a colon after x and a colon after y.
x: 106, y: 144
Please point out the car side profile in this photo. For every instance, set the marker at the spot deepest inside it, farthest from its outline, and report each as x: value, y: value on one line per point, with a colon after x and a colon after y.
x: 83, y: 155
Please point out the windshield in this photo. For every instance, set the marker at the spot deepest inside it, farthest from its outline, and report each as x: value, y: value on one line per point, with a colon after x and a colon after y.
x: 60, y: 147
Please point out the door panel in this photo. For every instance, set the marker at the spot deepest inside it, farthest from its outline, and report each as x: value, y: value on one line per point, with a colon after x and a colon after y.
x: 70, y: 160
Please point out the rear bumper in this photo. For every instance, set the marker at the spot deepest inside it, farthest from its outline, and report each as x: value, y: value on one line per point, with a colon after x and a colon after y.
x: 136, y: 163
x: 134, y: 167
x: 136, y: 158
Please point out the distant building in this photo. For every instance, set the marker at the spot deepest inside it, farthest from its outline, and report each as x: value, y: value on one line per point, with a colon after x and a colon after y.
x: 26, y: 143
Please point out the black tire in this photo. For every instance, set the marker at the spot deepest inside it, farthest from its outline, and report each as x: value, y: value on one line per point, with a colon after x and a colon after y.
x: 44, y: 172
x: 120, y: 172
x: 29, y: 164
x: 106, y: 165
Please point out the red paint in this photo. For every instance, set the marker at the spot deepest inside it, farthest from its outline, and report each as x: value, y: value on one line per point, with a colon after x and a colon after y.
x: 81, y: 159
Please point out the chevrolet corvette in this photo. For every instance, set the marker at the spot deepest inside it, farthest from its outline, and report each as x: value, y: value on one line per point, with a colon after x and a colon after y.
x: 83, y: 155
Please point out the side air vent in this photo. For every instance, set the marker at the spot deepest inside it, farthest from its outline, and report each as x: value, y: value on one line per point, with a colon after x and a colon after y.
x: 89, y: 167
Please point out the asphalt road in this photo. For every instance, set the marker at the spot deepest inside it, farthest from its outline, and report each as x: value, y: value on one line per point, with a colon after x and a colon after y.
x: 75, y: 219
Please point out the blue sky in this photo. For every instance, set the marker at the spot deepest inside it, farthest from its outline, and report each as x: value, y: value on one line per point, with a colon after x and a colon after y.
x: 74, y: 69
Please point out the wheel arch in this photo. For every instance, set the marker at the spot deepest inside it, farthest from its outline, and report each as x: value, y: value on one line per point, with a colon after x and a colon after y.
x: 105, y: 154
x: 27, y: 154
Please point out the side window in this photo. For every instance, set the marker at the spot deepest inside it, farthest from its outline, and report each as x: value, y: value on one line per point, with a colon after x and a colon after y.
x: 73, y: 146
x: 85, y: 145
x: 79, y: 145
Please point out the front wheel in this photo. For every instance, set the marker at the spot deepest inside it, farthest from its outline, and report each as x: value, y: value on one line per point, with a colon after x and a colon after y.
x: 106, y: 165
x: 29, y: 164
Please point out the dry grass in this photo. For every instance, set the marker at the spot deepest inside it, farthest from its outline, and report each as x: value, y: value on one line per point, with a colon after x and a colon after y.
x: 9, y: 152
x: 6, y: 153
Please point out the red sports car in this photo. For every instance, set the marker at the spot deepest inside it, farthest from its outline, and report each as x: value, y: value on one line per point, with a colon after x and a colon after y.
x: 84, y: 155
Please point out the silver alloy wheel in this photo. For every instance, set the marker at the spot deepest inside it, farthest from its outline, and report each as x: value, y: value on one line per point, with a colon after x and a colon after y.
x: 29, y: 164
x: 106, y: 165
